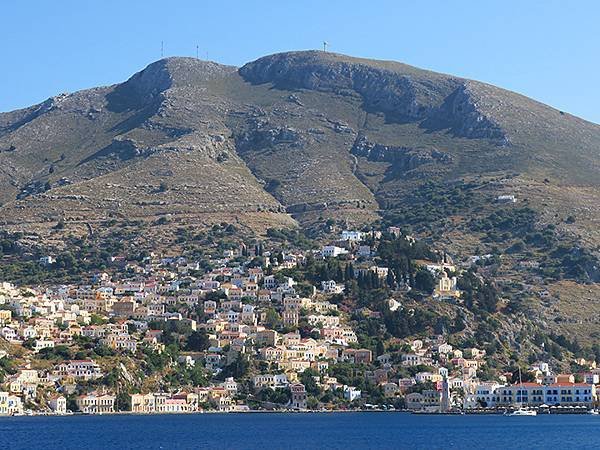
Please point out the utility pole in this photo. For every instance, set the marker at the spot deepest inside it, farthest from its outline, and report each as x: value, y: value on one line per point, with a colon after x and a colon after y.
x: 325, y: 44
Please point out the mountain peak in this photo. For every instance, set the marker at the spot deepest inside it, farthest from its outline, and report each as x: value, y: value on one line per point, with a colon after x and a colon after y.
x: 178, y: 71
x: 331, y: 60
x: 400, y: 91
x: 144, y: 86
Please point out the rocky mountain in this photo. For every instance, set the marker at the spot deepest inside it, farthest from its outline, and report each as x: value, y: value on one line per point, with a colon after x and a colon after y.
x: 294, y: 138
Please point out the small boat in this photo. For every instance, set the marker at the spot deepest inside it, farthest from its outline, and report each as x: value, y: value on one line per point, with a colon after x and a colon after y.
x: 523, y: 412
x: 593, y: 412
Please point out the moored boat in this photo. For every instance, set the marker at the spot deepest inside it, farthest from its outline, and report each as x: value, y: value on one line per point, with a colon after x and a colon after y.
x: 523, y: 412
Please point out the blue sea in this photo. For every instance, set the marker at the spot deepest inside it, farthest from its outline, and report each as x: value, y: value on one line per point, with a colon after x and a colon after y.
x: 300, y: 431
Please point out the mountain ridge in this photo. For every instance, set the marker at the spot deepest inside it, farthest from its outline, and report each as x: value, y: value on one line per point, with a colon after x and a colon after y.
x: 310, y: 133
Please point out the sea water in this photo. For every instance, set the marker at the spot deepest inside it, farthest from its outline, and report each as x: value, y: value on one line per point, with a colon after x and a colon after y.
x: 300, y: 431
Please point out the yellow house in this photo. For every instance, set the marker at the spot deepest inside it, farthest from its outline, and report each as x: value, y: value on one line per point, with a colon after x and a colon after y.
x: 143, y: 403
x: 5, y: 316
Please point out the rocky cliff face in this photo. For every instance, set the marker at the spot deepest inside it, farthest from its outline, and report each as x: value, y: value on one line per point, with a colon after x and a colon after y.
x: 460, y: 113
x: 262, y: 136
x: 402, y: 159
x: 401, y: 92
x: 395, y: 94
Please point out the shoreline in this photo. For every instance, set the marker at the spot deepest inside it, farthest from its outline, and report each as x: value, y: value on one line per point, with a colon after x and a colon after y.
x: 256, y: 411
x: 253, y: 411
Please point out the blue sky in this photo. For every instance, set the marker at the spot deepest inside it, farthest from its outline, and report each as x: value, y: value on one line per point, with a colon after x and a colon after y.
x: 548, y: 50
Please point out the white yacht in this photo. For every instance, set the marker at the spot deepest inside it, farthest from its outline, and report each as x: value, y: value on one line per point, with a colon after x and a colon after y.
x: 523, y: 412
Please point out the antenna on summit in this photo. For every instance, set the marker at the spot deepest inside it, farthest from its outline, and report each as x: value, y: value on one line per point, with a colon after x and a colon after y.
x: 197, y: 52
x: 325, y: 44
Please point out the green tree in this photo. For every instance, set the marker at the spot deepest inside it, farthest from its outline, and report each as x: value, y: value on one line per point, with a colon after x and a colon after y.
x: 72, y: 403
x: 272, y: 318
x: 198, y: 341
x: 237, y: 369
x: 307, y: 378
x: 123, y: 401
x: 424, y: 281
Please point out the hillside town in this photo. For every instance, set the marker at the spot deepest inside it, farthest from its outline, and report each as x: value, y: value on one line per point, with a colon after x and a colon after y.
x: 237, y: 332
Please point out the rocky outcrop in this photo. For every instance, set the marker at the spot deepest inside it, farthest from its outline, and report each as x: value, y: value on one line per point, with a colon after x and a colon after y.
x: 403, y: 159
x: 401, y: 92
x: 394, y: 93
x: 261, y: 135
x: 460, y: 113
x: 31, y: 113
x: 122, y: 149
